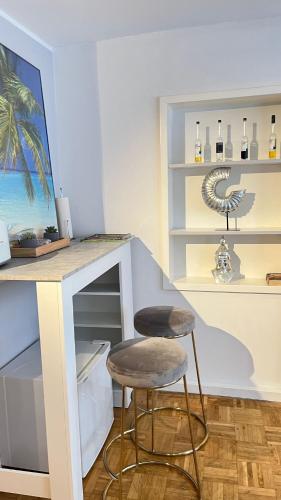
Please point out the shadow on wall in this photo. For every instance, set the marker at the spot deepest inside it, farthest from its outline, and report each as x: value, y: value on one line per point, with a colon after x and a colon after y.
x: 226, y: 365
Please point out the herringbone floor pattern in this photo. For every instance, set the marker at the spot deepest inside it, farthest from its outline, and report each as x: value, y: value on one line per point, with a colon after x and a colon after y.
x: 241, y: 460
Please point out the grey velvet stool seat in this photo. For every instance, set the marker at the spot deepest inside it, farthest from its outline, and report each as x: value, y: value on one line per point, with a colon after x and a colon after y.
x: 150, y: 363
x: 164, y: 321
x: 171, y: 322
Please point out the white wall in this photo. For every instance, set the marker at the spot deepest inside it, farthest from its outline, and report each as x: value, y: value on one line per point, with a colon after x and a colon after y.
x: 238, y: 335
x: 18, y: 312
x: 78, y: 126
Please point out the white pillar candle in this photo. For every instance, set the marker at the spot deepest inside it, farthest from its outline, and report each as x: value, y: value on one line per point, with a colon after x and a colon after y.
x: 64, y: 217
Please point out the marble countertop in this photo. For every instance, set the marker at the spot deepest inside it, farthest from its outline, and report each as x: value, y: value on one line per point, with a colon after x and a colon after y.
x: 57, y: 266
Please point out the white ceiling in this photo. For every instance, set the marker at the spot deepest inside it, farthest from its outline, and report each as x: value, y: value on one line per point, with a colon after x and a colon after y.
x: 63, y: 22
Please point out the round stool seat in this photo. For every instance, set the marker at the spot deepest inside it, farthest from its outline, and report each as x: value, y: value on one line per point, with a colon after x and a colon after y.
x: 164, y: 321
x: 147, y: 363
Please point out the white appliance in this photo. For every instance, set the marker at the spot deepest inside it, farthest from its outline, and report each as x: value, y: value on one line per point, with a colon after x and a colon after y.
x: 22, y: 422
x: 5, y: 253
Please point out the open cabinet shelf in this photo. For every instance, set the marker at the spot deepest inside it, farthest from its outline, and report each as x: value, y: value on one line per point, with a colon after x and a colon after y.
x: 97, y: 315
x: 89, y: 319
x: 101, y: 289
x: 190, y: 230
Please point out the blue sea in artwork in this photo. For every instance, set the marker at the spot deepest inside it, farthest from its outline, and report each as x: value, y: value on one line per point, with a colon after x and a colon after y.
x: 17, y: 211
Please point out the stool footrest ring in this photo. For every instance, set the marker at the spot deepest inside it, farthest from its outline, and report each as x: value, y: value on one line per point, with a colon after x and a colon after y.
x: 170, y: 453
x: 179, y: 469
x: 114, y: 475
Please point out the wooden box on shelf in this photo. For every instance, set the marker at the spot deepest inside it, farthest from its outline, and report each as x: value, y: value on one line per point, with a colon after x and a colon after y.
x: 39, y: 251
x: 273, y: 279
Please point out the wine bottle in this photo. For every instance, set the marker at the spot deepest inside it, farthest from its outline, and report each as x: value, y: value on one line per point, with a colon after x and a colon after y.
x: 219, y: 144
x: 207, y: 147
x: 254, y: 146
x: 228, y: 145
x: 244, y: 142
x: 198, y: 146
x: 272, y: 140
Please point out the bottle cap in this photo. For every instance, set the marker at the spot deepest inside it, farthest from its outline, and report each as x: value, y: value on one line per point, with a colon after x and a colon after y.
x: 244, y: 119
x: 197, y: 123
x: 219, y: 121
x: 273, y: 119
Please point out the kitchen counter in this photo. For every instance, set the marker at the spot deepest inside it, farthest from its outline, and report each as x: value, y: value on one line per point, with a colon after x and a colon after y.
x: 57, y: 266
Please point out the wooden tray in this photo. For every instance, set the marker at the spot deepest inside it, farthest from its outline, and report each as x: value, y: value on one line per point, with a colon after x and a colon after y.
x: 39, y: 251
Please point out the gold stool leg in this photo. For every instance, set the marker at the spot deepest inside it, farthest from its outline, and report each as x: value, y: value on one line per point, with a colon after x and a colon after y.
x: 198, y: 377
x: 143, y: 463
x: 152, y: 420
x: 136, y: 426
x: 191, y: 436
x: 122, y: 444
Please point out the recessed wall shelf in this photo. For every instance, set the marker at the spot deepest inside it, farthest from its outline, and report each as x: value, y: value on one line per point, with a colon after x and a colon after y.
x: 207, y: 284
x: 238, y: 163
x: 220, y: 231
x: 189, y: 227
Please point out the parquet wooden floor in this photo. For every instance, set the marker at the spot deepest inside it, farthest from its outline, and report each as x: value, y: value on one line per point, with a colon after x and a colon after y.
x: 241, y: 460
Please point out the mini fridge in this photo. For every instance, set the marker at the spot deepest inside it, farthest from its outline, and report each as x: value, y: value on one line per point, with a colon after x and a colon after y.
x: 22, y: 420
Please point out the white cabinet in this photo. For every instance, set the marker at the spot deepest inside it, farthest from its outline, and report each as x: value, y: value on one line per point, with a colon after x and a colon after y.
x: 58, y: 280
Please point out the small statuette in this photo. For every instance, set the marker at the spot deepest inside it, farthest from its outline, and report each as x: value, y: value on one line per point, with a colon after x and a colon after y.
x: 223, y: 272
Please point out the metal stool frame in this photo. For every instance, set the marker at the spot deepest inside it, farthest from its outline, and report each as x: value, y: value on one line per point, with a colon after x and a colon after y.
x: 202, y: 419
x: 123, y: 469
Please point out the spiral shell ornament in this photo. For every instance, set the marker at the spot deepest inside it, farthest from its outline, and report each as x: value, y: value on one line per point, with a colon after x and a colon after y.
x: 212, y: 199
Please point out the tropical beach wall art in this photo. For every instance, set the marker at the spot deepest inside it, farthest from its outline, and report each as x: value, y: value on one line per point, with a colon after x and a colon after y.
x: 27, y: 201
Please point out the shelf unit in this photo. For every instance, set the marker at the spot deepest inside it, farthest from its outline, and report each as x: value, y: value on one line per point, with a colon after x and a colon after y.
x: 207, y: 284
x: 238, y: 163
x: 198, y: 231
x: 190, y: 230
x: 97, y: 313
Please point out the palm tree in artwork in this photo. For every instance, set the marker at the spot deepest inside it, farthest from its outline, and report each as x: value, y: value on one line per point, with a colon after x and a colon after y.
x: 17, y: 130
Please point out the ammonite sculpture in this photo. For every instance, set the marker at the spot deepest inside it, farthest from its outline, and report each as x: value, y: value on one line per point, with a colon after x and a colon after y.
x: 212, y: 199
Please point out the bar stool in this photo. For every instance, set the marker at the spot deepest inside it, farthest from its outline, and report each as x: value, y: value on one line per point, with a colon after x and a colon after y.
x: 170, y: 322
x: 150, y: 364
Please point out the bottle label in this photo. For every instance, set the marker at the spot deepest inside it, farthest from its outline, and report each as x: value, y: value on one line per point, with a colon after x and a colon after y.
x: 219, y: 147
x: 198, y: 153
x: 272, y: 154
x: 244, y: 154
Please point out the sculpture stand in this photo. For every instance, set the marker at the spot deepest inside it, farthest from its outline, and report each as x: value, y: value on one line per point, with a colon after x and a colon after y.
x: 227, y: 223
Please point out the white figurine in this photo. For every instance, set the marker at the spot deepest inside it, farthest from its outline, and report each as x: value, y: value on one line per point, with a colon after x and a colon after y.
x: 223, y: 272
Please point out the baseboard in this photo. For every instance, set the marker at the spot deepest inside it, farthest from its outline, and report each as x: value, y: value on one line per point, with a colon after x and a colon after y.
x: 263, y: 393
